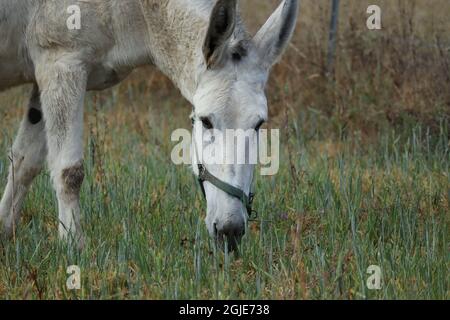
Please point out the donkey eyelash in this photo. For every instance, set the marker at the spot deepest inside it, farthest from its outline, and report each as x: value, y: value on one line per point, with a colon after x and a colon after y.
x: 259, y: 125
x: 206, y: 123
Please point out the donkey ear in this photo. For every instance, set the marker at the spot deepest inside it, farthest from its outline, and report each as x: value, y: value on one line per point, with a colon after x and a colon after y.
x: 274, y: 36
x: 221, y: 28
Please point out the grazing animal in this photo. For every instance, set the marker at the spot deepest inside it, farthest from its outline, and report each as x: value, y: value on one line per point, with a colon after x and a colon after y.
x: 201, y: 45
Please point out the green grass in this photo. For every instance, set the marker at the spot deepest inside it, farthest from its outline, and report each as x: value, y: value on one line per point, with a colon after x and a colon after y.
x: 344, y: 205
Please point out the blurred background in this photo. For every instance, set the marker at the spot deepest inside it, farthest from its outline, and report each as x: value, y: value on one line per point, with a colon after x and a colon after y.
x: 392, y: 78
x: 395, y: 77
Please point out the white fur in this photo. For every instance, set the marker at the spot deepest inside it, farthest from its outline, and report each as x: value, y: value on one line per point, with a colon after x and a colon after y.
x: 116, y: 37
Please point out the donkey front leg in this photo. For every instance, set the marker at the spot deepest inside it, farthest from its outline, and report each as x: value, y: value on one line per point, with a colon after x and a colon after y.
x: 27, y: 159
x: 63, y: 86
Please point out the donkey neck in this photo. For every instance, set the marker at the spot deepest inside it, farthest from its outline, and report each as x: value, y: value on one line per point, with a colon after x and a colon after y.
x: 176, y: 31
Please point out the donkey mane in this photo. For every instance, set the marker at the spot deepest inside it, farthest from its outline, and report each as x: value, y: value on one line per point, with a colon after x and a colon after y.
x: 185, y: 24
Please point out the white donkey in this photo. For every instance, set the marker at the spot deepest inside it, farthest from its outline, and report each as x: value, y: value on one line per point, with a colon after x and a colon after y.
x: 201, y: 45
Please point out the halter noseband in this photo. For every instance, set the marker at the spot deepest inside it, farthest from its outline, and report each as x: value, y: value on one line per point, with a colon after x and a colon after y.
x: 205, y: 176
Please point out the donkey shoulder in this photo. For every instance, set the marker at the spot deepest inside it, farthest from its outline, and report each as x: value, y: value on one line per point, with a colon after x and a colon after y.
x: 49, y: 27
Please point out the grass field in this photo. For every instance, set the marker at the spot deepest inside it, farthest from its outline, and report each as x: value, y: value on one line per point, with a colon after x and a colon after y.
x: 364, y: 180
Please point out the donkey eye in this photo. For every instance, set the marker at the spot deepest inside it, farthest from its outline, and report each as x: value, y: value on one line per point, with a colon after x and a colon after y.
x: 259, y: 125
x: 206, y: 123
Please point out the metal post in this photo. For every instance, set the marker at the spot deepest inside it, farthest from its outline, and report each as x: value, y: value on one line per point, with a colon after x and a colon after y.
x: 332, y: 37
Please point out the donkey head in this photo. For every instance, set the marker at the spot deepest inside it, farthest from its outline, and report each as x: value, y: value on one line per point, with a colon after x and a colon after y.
x: 231, y: 96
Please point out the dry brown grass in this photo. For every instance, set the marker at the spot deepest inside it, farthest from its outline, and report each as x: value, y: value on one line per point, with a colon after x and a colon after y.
x: 392, y: 76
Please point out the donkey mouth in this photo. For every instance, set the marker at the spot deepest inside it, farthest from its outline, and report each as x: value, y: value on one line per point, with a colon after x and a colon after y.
x: 229, y: 234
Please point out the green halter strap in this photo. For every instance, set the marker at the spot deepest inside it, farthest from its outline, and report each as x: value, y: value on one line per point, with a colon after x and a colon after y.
x: 205, y: 176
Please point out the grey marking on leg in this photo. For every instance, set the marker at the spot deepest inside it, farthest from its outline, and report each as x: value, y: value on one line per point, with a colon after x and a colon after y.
x: 73, y: 179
